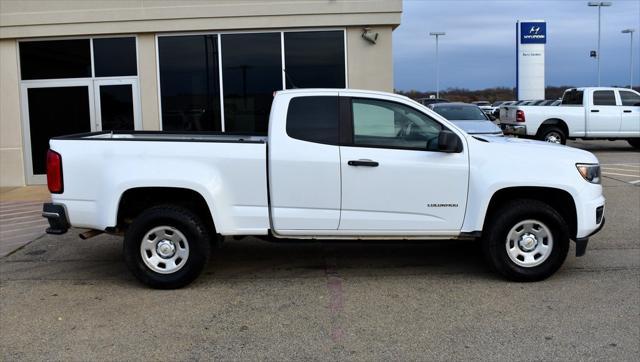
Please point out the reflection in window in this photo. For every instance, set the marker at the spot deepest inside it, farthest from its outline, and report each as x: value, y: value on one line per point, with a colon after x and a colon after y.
x: 251, y: 72
x: 189, y: 85
x: 388, y: 124
x: 314, y: 59
x: 53, y: 59
x: 114, y: 57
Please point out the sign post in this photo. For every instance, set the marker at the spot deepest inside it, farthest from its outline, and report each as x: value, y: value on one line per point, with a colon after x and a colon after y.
x: 531, y: 37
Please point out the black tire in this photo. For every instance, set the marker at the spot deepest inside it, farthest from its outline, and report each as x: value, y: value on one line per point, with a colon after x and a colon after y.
x: 507, y: 217
x: 180, y: 219
x: 634, y: 142
x: 547, y: 133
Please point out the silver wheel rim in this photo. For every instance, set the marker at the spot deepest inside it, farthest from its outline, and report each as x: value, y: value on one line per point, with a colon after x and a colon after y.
x: 529, y: 243
x: 553, y: 137
x: 164, y: 249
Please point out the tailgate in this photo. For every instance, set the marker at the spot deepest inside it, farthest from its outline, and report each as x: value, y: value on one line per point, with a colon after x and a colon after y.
x: 508, y: 114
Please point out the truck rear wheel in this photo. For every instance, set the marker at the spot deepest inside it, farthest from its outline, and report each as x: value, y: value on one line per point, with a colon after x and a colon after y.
x: 552, y: 134
x: 526, y: 241
x: 166, y: 247
x: 634, y: 142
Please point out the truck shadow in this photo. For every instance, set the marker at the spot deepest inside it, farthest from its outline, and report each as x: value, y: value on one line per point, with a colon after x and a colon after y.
x: 253, y: 259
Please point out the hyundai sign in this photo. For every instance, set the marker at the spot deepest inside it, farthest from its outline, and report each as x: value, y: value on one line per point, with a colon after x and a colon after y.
x: 533, y: 33
x: 531, y: 37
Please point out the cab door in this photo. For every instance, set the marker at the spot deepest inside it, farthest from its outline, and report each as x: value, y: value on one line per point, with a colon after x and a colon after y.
x: 603, y: 116
x: 304, y: 163
x: 394, y: 179
x: 630, y: 123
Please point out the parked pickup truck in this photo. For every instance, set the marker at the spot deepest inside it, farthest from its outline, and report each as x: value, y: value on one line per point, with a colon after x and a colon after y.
x: 586, y: 113
x: 336, y: 164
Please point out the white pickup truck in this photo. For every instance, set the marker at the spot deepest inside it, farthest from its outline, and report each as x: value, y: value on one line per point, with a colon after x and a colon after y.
x: 585, y: 113
x: 337, y: 164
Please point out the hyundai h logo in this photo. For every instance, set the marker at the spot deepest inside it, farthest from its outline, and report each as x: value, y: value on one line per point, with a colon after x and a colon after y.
x: 533, y: 33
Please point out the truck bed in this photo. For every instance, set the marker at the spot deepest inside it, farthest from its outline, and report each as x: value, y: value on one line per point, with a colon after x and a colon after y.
x: 99, y: 167
x: 165, y: 136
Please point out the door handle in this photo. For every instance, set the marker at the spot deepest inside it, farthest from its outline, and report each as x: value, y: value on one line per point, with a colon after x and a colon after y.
x: 367, y: 163
x: 627, y: 111
x: 595, y: 110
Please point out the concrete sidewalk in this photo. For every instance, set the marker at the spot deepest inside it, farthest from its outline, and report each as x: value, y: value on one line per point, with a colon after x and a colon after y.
x: 20, y: 216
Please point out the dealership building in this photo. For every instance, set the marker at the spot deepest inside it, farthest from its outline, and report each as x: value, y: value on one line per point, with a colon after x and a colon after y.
x: 78, y: 66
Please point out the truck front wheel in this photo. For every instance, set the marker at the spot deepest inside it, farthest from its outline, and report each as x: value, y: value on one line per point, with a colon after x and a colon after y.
x: 166, y: 247
x: 552, y: 134
x: 526, y: 241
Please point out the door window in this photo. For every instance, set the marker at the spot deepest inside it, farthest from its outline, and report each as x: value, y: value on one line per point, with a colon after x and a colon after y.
x: 604, y: 98
x: 116, y: 107
x: 314, y: 119
x: 392, y: 125
x: 630, y: 99
x: 55, y: 111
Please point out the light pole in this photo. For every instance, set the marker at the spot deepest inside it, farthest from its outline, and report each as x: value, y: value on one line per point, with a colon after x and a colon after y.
x: 630, y: 32
x: 437, y: 34
x: 599, y: 4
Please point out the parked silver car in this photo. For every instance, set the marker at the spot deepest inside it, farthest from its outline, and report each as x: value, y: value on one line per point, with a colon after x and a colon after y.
x: 469, y: 117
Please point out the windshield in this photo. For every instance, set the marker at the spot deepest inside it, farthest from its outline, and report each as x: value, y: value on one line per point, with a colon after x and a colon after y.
x: 460, y: 112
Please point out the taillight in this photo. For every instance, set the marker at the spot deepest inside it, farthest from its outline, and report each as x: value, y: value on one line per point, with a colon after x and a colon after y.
x: 519, y: 115
x: 54, y: 172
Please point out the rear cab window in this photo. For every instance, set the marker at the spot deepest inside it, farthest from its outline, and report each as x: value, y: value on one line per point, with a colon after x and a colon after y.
x: 314, y: 119
x: 604, y: 98
x: 572, y: 97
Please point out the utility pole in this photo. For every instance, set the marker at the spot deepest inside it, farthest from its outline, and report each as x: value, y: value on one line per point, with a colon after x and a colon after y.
x: 630, y: 32
x: 437, y: 34
x: 599, y: 4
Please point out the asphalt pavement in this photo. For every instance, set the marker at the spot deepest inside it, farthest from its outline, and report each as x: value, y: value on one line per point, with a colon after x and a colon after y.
x: 62, y: 298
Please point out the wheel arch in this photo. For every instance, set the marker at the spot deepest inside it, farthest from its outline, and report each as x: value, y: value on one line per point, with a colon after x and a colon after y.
x: 554, y: 122
x: 560, y: 200
x: 135, y: 200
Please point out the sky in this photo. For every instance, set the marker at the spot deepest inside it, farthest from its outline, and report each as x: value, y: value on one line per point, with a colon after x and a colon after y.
x: 478, y: 50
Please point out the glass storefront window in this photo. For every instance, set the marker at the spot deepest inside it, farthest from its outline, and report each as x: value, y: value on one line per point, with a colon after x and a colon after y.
x: 251, y: 72
x: 314, y: 59
x: 189, y: 84
x: 114, y: 57
x: 52, y: 59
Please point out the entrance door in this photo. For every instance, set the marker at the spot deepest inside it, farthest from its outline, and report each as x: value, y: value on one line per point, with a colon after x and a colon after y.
x: 51, y: 109
x: 116, y: 105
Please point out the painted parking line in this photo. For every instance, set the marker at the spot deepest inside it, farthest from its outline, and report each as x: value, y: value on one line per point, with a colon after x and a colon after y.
x: 622, y: 172
x: 619, y: 174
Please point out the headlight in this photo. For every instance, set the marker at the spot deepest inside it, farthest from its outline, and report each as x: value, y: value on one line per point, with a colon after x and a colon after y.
x: 589, y: 172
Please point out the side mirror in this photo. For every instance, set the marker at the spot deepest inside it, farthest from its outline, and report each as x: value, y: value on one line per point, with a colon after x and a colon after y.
x: 449, y: 142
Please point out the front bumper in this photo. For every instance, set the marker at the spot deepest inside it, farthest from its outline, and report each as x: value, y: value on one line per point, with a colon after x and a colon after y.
x: 57, y: 217
x: 515, y: 130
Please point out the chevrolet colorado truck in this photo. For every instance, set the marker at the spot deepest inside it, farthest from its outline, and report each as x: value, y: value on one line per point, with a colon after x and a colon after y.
x: 336, y: 164
x: 585, y: 113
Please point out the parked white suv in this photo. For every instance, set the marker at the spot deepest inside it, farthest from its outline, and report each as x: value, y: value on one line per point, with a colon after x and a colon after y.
x: 586, y: 113
x: 336, y: 164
